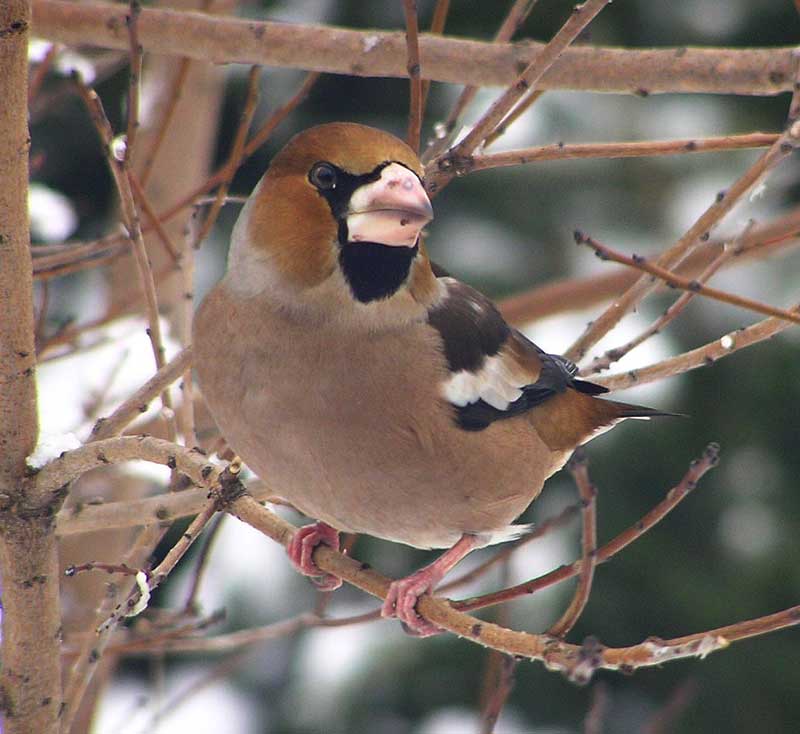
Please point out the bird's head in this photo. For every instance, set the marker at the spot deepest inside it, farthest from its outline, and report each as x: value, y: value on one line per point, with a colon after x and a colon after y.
x: 337, y: 216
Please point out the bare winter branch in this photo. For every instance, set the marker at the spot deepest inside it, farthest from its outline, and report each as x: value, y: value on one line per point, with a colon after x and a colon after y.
x: 382, y: 54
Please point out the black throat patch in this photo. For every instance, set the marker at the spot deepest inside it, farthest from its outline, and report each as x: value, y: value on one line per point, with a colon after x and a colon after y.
x: 374, y: 271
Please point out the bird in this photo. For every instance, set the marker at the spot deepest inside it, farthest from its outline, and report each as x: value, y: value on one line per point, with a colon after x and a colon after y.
x: 370, y: 389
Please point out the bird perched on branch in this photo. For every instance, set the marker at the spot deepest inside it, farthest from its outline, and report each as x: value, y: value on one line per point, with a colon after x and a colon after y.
x: 371, y: 391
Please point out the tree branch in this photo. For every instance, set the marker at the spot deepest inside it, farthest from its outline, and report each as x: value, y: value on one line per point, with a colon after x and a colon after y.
x: 577, y: 662
x: 765, y: 71
x: 30, y: 682
x: 699, y: 232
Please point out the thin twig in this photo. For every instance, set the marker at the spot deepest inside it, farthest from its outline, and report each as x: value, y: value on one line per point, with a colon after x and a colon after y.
x: 137, y: 403
x: 575, y: 294
x: 510, y: 25
x: 498, y: 675
x: 414, y: 79
x: 119, y: 170
x: 664, y: 720
x: 35, y: 84
x: 673, y: 311
x: 152, y: 217
x: 502, y: 686
x: 440, y: 12
x: 517, y: 112
x: 581, y: 16
x: 595, y: 716
x: 698, y: 232
x: 201, y: 564
x: 588, y: 494
x: 185, y: 316
x: 509, y: 548
x: 676, y: 281
x: 82, y: 671
x: 172, y: 99
x: 134, y: 82
x: 636, y: 149
x: 41, y: 316
x: 120, y: 568
x: 237, y: 151
x: 700, y: 357
x: 689, y: 481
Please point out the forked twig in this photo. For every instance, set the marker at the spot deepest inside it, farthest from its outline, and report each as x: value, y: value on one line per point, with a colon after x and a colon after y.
x: 676, y: 281
x: 689, y: 481
x: 510, y: 25
x: 698, y: 232
x: 137, y: 403
x: 701, y: 357
x: 581, y: 16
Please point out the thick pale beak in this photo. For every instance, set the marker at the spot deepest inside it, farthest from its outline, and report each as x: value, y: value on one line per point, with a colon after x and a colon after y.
x: 391, y: 210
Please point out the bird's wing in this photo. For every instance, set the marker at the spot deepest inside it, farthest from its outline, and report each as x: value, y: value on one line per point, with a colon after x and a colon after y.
x: 495, y: 372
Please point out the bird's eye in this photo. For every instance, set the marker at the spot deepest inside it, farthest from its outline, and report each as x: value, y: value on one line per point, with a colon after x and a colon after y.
x: 323, y: 176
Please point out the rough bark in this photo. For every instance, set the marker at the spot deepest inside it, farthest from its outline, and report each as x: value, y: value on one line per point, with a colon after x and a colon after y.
x: 30, y: 682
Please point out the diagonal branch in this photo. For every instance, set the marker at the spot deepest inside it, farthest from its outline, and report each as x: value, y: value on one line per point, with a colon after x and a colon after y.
x: 130, y: 217
x: 581, y: 16
x: 781, y: 149
x: 676, y: 281
x: 697, y: 469
x: 700, y: 357
x: 516, y: 16
x: 729, y: 250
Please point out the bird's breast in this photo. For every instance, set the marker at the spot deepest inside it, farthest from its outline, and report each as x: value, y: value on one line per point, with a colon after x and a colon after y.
x: 351, y: 428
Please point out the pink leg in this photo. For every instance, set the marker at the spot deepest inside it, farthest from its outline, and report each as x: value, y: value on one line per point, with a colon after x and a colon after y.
x: 301, y: 549
x: 401, y: 601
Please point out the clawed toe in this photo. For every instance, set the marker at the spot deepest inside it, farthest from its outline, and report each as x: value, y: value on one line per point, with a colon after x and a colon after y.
x: 401, y: 602
x: 301, y: 551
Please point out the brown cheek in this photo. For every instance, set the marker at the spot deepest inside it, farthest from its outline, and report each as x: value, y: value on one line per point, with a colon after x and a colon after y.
x: 298, y: 231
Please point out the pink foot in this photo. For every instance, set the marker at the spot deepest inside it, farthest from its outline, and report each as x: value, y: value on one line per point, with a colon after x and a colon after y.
x: 301, y: 549
x: 401, y: 602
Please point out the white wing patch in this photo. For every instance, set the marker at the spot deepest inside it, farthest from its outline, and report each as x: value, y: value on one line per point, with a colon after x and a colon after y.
x: 498, y: 383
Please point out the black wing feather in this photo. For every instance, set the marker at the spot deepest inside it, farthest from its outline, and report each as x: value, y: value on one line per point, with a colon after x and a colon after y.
x: 472, y: 330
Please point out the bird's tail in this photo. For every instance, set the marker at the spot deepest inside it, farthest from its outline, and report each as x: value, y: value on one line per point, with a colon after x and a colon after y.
x: 574, y: 417
x: 629, y: 410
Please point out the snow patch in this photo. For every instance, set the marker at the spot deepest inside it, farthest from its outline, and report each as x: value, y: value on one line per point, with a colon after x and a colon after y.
x: 51, y: 446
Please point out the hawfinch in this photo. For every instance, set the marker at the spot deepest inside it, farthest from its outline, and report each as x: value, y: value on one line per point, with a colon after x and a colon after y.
x: 369, y: 389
